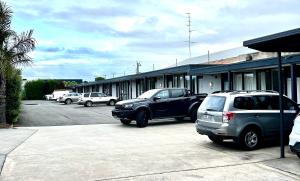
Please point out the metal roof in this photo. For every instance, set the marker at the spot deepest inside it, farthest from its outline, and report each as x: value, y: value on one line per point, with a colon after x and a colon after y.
x: 288, y: 41
x: 255, y: 64
x: 214, y: 56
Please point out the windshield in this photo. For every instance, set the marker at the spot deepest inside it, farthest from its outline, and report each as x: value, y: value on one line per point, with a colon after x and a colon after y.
x: 148, y: 94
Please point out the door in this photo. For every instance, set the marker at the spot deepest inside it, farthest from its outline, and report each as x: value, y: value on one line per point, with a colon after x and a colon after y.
x: 290, y: 113
x: 267, y: 112
x: 75, y: 97
x: 178, y: 103
x: 95, y: 97
x: 160, y: 107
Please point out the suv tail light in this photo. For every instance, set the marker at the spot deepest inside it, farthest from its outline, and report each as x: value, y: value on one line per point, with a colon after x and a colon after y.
x: 227, y: 116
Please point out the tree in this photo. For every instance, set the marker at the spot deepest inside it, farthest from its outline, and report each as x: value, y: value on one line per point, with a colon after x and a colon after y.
x: 99, y: 78
x: 70, y: 83
x: 14, y: 51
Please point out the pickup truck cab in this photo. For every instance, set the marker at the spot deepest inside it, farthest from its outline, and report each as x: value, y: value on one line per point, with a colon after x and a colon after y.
x: 158, y: 103
x: 92, y: 98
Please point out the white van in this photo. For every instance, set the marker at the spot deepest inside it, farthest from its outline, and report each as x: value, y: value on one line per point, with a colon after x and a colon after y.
x: 59, y: 93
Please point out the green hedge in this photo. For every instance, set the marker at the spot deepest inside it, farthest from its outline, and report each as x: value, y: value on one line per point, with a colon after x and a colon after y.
x: 13, y: 95
x: 37, y: 89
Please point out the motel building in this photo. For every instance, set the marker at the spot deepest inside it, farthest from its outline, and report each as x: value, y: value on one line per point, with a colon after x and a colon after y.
x: 236, y: 69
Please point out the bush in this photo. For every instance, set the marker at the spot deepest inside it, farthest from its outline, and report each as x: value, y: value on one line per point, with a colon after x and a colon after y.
x: 37, y: 89
x: 13, y: 95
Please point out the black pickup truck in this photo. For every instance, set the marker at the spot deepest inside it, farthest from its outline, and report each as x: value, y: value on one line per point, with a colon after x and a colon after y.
x: 158, y: 103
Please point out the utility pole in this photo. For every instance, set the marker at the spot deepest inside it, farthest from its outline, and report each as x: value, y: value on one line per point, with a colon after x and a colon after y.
x: 208, y: 56
x: 113, y: 74
x: 176, y: 62
x: 138, y: 64
x: 190, y: 32
x: 153, y: 67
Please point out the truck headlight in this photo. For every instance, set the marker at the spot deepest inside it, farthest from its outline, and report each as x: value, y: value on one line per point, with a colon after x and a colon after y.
x: 127, y: 106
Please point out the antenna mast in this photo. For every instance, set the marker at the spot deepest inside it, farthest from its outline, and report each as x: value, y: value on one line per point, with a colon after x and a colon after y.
x: 190, y: 32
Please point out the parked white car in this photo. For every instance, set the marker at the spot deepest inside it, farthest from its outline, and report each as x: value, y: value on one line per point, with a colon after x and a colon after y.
x: 89, y: 99
x: 48, y: 97
x: 295, y: 137
x: 59, y: 93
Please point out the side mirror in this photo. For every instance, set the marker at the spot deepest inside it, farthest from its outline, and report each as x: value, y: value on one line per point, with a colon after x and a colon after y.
x: 156, y: 98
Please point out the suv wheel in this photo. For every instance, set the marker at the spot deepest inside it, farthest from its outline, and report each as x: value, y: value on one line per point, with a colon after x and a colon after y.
x: 194, y: 115
x: 111, y: 103
x: 68, y: 101
x: 89, y: 104
x: 216, y: 139
x: 125, y: 121
x: 250, y: 139
x: 141, y: 119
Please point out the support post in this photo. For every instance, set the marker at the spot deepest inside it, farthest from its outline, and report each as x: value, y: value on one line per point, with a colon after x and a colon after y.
x: 230, y: 81
x: 294, y: 82
x: 281, y: 106
x: 191, y: 84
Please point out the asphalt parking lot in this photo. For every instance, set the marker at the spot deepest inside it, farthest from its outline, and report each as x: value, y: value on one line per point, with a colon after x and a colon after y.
x: 107, y: 150
x: 51, y: 113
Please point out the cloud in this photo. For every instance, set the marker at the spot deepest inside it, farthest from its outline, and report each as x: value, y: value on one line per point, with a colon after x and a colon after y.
x: 111, y: 35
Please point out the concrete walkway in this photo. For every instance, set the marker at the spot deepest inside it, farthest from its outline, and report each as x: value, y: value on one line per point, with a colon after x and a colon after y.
x: 158, y: 152
x: 11, y: 139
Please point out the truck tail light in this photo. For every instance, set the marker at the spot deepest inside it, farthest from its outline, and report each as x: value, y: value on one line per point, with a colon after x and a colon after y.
x: 227, y: 116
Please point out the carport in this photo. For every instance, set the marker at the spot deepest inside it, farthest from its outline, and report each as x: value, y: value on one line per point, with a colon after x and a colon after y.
x: 288, y: 41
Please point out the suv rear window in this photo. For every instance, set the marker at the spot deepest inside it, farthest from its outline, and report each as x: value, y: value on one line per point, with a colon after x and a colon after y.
x: 86, y: 95
x: 213, y: 103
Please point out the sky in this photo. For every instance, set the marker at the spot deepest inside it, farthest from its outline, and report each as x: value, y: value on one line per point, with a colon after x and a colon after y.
x: 85, y: 39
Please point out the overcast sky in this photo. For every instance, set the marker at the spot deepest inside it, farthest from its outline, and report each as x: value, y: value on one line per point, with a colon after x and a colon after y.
x: 85, y: 39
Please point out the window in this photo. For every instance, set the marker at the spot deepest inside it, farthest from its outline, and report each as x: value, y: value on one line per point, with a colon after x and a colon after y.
x: 94, y: 95
x: 86, y: 95
x: 265, y: 102
x: 213, y: 103
x: 102, y: 95
x: 246, y: 103
x: 177, y: 93
x: 289, y: 105
x: 163, y: 94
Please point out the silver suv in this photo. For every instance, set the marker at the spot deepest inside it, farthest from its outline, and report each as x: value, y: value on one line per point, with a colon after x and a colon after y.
x: 247, y: 117
x: 69, y: 98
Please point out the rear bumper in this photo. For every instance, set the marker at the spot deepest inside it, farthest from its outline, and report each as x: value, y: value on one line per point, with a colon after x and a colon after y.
x: 123, y: 114
x: 224, y: 131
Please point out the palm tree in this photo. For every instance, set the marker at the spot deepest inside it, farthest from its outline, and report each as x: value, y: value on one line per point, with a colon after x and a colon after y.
x: 14, y: 51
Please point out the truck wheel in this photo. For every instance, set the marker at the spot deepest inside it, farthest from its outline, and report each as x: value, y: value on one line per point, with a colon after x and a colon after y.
x: 89, y: 104
x: 216, y: 139
x: 68, y: 101
x: 111, y: 102
x: 194, y: 115
x: 250, y: 139
x: 141, y: 119
x: 125, y: 121
x: 298, y: 154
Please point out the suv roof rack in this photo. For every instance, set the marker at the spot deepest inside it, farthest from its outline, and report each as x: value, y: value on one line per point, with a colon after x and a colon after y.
x: 243, y: 91
x: 223, y: 91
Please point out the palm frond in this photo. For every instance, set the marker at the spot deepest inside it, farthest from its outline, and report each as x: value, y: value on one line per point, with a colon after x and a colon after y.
x: 20, y: 46
x: 5, y: 17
